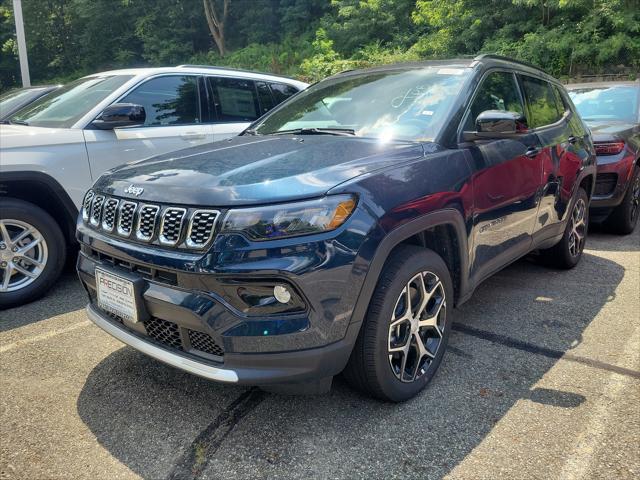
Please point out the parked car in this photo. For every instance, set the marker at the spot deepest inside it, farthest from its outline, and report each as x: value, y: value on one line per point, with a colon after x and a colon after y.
x: 612, y: 112
x: 14, y: 100
x: 340, y: 230
x: 53, y: 150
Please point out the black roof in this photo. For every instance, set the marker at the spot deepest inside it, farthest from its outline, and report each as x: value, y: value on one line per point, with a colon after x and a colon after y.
x: 487, y: 59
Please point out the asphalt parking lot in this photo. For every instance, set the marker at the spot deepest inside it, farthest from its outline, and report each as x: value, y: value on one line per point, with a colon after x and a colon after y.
x: 541, y: 380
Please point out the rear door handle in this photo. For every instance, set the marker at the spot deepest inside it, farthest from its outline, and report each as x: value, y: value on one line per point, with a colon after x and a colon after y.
x: 572, y: 140
x: 532, y: 152
x: 192, y: 136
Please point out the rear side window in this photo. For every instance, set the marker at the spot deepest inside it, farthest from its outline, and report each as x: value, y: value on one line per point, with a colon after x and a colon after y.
x: 282, y: 91
x: 561, y: 103
x: 169, y: 100
x: 235, y: 99
x: 264, y: 94
x: 498, y: 91
x: 543, y: 107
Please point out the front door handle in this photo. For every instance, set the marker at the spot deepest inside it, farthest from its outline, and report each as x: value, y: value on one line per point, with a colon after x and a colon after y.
x: 532, y: 152
x: 192, y: 136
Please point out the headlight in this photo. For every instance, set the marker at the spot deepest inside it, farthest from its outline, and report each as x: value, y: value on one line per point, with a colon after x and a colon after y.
x: 288, y: 220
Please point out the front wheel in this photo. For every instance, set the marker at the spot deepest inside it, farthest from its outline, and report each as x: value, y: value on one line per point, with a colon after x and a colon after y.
x: 404, y: 336
x: 568, y: 251
x: 32, y: 252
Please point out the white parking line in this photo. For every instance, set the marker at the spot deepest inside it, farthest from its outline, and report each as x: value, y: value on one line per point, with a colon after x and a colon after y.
x: 44, y: 336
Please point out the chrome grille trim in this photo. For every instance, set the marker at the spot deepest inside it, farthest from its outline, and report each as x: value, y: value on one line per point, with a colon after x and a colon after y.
x: 86, y: 204
x: 171, y: 226
x: 146, y: 224
x: 157, y: 224
x: 126, y: 214
x: 109, y: 212
x: 202, y: 224
x: 96, y: 210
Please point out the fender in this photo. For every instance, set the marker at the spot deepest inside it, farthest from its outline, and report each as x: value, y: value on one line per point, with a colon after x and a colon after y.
x: 50, y: 185
x: 396, y: 236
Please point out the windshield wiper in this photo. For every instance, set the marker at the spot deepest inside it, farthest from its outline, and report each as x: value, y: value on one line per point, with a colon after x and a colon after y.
x: 17, y: 122
x: 250, y: 131
x: 350, y: 132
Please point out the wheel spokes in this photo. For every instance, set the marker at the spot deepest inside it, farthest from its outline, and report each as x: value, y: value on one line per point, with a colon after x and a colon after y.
x: 416, y: 328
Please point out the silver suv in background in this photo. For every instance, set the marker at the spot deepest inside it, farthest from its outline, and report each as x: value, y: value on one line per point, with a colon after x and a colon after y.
x: 53, y: 150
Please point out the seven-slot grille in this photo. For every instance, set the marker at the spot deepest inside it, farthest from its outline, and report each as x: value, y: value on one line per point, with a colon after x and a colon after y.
x: 150, y: 223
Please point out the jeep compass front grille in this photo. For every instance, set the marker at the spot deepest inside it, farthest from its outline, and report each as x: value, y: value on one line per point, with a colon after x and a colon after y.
x: 162, y: 225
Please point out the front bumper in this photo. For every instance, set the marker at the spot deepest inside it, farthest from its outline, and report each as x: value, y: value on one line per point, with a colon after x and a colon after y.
x: 244, y: 369
x: 183, y: 294
x: 612, y: 179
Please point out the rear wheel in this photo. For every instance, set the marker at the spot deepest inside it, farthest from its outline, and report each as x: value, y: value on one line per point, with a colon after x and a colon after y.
x: 32, y: 252
x: 403, y: 339
x: 568, y: 251
x: 624, y: 218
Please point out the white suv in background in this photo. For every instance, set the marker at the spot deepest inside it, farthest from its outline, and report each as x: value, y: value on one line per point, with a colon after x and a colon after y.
x: 54, y: 149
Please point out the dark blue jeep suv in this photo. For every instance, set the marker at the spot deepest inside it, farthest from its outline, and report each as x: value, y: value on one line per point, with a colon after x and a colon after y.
x: 339, y: 231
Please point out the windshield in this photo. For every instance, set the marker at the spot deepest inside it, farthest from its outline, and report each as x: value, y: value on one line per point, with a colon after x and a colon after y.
x: 616, y: 102
x: 69, y: 104
x: 395, y: 104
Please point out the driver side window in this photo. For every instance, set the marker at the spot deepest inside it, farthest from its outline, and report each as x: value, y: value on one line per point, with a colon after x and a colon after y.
x: 498, y: 91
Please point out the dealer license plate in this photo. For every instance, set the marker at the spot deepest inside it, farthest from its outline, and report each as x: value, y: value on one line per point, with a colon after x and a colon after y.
x: 116, y: 295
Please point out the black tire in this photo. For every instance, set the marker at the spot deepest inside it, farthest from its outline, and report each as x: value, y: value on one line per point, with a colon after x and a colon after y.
x: 624, y: 218
x: 370, y: 369
x: 28, y: 213
x: 563, y: 255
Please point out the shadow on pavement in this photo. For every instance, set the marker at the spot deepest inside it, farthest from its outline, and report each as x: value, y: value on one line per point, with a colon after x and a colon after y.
x: 155, y: 419
x: 65, y: 296
x: 601, y: 239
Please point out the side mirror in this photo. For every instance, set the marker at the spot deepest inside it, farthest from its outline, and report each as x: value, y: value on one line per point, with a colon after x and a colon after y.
x: 120, y: 115
x: 496, y: 124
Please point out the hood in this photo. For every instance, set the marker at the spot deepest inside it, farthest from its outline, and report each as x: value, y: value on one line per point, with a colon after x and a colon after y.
x: 24, y: 136
x: 610, y: 130
x: 255, y: 169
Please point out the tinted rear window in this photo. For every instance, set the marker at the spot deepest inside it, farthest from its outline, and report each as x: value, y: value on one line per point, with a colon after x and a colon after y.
x: 543, y: 107
x: 235, y: 99
x: 282, y: 91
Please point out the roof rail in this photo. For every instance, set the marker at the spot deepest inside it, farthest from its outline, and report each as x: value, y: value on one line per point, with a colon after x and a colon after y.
x: 495, y: 56
x: 231, y: 69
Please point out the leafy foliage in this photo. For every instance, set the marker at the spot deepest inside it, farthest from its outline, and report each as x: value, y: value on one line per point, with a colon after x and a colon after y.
x: 314, y: 38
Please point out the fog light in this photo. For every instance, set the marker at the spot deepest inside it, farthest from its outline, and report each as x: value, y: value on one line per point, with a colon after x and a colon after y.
x: 282, y: 294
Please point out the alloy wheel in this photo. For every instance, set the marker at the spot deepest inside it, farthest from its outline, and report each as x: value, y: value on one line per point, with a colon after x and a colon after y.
x: 417, y: 326
x: 578, y: 231
x: 23, y: 254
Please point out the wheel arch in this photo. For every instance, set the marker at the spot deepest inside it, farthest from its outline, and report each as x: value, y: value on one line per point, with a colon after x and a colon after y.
x: 45, y: 192
x: 415, y: 232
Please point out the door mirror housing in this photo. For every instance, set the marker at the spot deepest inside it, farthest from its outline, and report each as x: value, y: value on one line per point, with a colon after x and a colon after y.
x: 497, y: 124
x: 120, y: 115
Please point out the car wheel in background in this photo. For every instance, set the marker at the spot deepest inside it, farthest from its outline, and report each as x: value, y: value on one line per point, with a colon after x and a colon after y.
x: 568, y: 251
x: 404, y: 336
x: 624, y: 218
x: 32, y: 252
